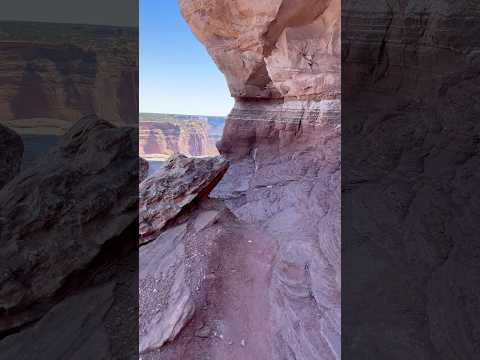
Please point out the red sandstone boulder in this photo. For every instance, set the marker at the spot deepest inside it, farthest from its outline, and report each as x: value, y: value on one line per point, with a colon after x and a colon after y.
x: 179, y: 182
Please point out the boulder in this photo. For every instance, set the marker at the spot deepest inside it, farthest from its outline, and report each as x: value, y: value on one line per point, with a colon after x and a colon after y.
x: 58, y: 216
x: 167, y: 192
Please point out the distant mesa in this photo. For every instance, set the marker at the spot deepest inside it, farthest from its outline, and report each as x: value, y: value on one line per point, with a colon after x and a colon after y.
x: 163, y: 135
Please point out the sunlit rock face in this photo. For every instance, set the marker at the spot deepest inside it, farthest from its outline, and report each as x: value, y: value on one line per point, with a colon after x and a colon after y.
x: 271, y: 49
x: 262, y: 250
x: 160, y: 140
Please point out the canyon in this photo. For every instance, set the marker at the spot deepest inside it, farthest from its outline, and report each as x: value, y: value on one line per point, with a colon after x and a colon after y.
x: 162, y: 135
x: 66, y: 71
x: 68, y: 225
x: 249, y: 267
x: 240, y: 253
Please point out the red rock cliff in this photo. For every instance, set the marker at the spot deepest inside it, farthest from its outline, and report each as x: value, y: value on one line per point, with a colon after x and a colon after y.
x: 267, y: 283
x: 259, y: 269
x: 49, y: 79
x: 161, y: 139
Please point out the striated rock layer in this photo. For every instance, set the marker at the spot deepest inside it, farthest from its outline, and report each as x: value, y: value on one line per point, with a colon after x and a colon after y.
x: 82, y: 189
x: 161, y: 139
x: 51, y: 69
x: 411, y: 198
x: 261, y: 254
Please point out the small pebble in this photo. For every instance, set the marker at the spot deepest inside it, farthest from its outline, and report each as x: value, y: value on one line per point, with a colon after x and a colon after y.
x: 242, y: 343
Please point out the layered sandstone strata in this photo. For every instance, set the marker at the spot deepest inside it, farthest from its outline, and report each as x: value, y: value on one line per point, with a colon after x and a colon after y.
x: 52, y: 69
x: 263, y: 274
x: 161, y: 139
x: 85, y: 199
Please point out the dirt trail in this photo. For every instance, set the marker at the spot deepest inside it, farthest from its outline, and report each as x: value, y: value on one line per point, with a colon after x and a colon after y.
x: 229, y: 272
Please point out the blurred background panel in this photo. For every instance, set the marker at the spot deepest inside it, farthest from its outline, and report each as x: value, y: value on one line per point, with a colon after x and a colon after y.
x: 69, y: 180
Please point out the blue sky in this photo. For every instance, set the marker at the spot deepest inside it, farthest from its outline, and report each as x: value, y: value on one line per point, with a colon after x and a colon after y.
x: 176, y: 73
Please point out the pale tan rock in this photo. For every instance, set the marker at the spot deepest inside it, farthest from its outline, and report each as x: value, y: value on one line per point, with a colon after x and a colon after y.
x: 271, y: 49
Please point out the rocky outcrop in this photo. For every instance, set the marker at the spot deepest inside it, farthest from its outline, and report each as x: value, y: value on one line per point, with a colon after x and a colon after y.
x: 61, y: 220
x: 166, y: 303
x: 410, y: 198
x: 166, y: 300
x: 264, y: 275
x: 167, y: 192
x: 159, y: 139
x: 52, y: 69
x: 271, y: 49
x: 11, y: 152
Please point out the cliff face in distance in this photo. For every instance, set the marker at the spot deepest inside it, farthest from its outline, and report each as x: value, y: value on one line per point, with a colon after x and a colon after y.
x: 162, y: 135
x: 255, y: 261
x: 52, y: 69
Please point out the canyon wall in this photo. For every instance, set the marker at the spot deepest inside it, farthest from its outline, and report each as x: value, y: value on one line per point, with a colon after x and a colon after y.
x: 259, y: 274
x: 49, y: 71
x: 410, y: 196
x: 165, y: 135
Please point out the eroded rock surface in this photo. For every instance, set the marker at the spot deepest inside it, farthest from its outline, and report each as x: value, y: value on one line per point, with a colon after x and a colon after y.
x: 93, y: 70
x: 253, y: 271
x: 77, y: 200
x: 262, y: 252
x: 271, y: 49
x: 167, y: 192
x: 166, y: 304
x: 11, y: 152
x: 410, y: 195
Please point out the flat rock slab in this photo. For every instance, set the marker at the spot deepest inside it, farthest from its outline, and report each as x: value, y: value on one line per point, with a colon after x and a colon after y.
x: 166, y: 303
x: 164, y: 194
x: 73, y: 329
